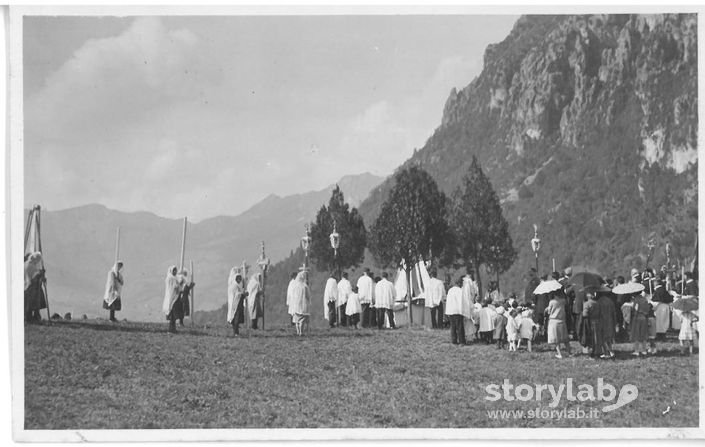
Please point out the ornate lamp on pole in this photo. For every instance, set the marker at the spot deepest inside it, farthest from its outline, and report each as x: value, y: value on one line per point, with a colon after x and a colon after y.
x: 263, y: 263
x: 651, y: 245
x: 536, y: 246
x: 335, y: 243
x: 493, y: 266
x: 306, y: 245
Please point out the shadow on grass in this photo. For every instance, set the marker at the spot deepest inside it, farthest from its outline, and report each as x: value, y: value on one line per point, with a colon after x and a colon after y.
x: 224, y: 331
x: 121, y: 326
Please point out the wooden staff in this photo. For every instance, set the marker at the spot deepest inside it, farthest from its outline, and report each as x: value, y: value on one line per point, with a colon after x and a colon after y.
x: 117, y: 245
x: 246, y: 307
x: 682, y: 280
x: 183, y: 246
x: 193, y: 298
x: 38, y: 246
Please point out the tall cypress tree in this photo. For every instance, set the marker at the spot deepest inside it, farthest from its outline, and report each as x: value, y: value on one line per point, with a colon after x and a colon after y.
x: 480, y: 231
x: 412, y: 222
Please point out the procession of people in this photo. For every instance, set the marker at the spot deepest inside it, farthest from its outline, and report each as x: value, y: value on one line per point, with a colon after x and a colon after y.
x: 555, y: 309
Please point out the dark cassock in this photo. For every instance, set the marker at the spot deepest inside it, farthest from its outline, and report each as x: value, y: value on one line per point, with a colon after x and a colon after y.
x: 34, y: 298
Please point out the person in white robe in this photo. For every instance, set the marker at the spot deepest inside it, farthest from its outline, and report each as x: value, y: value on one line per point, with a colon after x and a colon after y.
x: 435, y: 295
x: 172, y: 290
x: 470, y: 293
x: 236, y: 298
x: 385, y: 295
x: 330, y: 299
x: 365, y: 287
x: 112, y: 298
x: 344, y: 290
x: 289, y: 289
x: 457, y: 308
x: 353, y: 309
x: 487, y: 316
x: 254, y: 299
x: 300, y: 304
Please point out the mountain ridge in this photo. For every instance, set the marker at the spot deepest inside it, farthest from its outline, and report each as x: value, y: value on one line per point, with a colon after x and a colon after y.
x: 587, y: 126
x: 79, y: 244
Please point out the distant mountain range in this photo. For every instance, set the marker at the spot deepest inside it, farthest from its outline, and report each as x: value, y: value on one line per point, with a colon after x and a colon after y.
x: 79, y: 248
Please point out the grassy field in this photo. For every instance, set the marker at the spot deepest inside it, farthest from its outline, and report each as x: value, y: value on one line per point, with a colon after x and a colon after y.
x: 95, y: 375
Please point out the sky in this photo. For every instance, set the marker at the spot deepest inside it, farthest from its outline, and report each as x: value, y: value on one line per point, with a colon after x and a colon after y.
x: 207, y: 115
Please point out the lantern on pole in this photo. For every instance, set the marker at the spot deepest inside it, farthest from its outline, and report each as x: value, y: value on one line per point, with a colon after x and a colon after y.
x: 651, y: 246
x: 306, y: 245
x: 263, y: 263
x: 536, y: 246
x: 335, y: 240
x: 335, y: 243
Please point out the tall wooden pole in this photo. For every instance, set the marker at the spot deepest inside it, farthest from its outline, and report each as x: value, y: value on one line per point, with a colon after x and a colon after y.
x: 246, y: 307
x: 193, y: 293
x: 263, y: 263
x: 183, y: 246
x: 117, y: 245
x: 39, y: 243
x: 407, y: 271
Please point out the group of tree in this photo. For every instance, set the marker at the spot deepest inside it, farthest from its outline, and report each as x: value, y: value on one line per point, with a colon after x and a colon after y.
x: 418, y: 222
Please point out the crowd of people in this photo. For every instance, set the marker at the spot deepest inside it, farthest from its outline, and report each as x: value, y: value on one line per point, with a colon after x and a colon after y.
x: 553, y: 309
x: 597, y: 315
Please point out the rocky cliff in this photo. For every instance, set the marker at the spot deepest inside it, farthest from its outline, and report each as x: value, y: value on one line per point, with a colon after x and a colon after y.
x: 586, y: 126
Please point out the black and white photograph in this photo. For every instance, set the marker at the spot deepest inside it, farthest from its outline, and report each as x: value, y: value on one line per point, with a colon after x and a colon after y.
x: 327, y: 223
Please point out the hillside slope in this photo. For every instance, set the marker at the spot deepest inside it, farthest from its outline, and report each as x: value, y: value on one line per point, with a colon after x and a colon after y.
x: 586, y: 126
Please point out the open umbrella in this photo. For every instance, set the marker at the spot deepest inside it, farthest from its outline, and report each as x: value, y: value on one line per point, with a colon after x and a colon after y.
x: 584, y: 279
x: 628, y: 288
x: 547, y: 287
x: 686, y: 304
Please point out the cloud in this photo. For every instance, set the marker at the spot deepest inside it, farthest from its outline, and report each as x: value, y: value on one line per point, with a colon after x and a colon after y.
x: 111, y: 125
x: 387, y: 132
x: 116, y: 81
x: 194, y: 116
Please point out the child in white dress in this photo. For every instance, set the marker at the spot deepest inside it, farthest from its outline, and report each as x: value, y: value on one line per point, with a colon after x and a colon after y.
x: 512, y: 330
x: 353, y: 309
x: 527, y: 328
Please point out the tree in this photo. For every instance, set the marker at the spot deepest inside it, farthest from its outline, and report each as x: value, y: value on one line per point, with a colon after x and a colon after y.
x: 480, y: 230
x: 349, y: 225
x: 412, y: 223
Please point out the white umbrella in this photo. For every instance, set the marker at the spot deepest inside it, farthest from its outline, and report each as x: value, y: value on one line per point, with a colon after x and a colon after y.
x: 628, y: 288
x: 548, y: 287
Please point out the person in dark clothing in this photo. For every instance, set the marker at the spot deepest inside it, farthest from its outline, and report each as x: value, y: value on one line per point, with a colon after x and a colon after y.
x: 531, y: 286
x: 34, y: 298
x: 662, y: 309
x: 691, y: 287
x: 184, y: 296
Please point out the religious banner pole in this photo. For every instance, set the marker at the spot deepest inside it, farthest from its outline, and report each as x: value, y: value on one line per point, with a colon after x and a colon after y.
x: 39, y: 243
x: 193, y: 293
x: 263, y: 263
x: 183, y: 246
x: 246, y: 307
